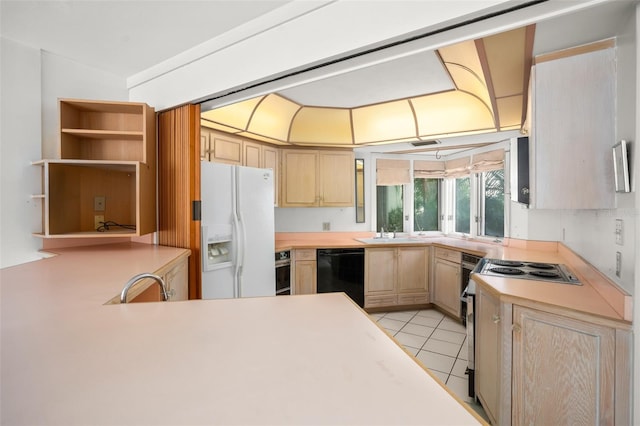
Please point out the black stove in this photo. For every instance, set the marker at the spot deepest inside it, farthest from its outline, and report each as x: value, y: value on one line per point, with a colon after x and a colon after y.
x: 550, y: 272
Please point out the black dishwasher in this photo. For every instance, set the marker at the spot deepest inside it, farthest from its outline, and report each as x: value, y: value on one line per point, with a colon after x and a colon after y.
x: 342, y: 270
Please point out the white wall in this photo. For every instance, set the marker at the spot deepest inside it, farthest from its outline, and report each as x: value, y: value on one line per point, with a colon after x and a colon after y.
x: 341, y: 219
x: 63, y: 78
x: 19, y: 145
x: 32, y: 81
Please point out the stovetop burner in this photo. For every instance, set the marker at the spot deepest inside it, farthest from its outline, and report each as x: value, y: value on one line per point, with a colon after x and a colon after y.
x: 541, y: 265
x: 524, y: 270
x: 510, y: 263
x: 507, y: 271
x: 545, y: 274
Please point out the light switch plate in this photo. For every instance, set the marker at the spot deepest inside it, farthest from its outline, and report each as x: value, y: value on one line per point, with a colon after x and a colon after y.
x: 619, y: 232
x: 326, y: 226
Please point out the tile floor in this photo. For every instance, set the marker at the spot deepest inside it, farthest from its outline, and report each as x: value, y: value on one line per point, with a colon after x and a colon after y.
x: 438, y: 341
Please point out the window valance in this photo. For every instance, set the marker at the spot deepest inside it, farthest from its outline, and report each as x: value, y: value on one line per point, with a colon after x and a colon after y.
x: 488, y: 161
x: 392, y: 172
x: 458, y: 167
x: 428, y: 169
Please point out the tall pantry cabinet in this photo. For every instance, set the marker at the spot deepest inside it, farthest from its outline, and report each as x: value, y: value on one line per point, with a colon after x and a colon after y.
x: 104, y: 183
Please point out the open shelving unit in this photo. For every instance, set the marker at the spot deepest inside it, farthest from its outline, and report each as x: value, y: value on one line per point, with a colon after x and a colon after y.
x: 95, y: 130
x: 107, y: 152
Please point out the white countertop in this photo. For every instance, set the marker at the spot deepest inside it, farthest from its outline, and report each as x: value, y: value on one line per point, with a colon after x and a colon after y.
x: 69, y: 359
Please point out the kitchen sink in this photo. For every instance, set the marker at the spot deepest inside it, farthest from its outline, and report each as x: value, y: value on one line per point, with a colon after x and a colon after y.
x: 398, y: 240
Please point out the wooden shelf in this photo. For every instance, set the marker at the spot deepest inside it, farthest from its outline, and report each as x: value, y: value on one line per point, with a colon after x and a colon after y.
x: 107, y: 150
x: 105, y: 134
x: 107, y: 130
x: 70, y: 187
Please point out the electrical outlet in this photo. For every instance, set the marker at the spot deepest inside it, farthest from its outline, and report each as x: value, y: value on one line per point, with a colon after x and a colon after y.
x: 326, y: 226
x: 98, y: 203
x: 97, y: 219
x: 619, y: 232
x: 618, y: 263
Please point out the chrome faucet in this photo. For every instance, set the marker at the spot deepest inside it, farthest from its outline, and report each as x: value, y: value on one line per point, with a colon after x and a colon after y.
x: 136, y: 278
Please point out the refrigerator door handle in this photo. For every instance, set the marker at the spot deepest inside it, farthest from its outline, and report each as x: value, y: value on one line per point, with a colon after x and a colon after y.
x: 242, y: 241
x: 241, y: 236
x: 237, y: 263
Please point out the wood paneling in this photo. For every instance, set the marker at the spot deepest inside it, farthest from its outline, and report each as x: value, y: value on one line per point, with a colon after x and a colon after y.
x: 179, y: 185
x: 563, y: 370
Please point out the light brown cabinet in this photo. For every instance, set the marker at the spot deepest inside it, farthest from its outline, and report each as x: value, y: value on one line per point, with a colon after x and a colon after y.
x: 563, y: 370
x: 224, y: 148
x: 251, y: 154
x: 304, y: 274
x: 548, y: 365
x: 396, y: 276
x: 380, y: 277
x: 574, y: 99
x: 446, y: 280
x: 103, y: 185
x: 313, y: 178
x: 488, y: 360
x: 270, y: 160
x: 413, y: 275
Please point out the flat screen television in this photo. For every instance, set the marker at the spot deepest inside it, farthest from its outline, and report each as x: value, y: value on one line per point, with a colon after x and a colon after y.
x: 621, y: 166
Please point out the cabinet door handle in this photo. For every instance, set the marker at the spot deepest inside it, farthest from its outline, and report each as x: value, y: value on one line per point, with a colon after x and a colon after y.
x: 516, y: 328
x: 495, y: 318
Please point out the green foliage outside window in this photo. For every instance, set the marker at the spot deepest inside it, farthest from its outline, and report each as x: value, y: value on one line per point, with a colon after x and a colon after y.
x: 494, y: 203
x: 389, y: 208
x: 463, y: 205
x: 426, y: 213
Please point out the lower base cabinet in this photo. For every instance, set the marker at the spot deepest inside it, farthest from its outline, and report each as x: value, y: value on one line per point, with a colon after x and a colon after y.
x: 563, y: 369
x: 488, y: 360
x: 447, y: 272
x: 304, y: 272
x: 396, y: 276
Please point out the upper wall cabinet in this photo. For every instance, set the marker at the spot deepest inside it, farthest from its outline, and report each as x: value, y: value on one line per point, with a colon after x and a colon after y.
x: 223, y: 148
x: 316, y: 178
x: 112, y: 131
x: 103, y: 184
x: 574, y: 115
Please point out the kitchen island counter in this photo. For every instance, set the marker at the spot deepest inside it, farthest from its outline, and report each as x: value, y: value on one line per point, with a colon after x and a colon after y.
x: 67, y: 358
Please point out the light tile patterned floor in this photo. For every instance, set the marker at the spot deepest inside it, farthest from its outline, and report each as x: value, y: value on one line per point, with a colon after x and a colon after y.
x: 438, y: 341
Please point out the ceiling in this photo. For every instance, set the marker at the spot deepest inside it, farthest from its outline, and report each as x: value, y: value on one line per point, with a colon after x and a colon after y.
x: 83, y: 31
x: 124, y: 37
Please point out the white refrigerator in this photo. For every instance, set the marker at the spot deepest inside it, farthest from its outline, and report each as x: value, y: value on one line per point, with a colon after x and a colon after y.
x: 237, y: 218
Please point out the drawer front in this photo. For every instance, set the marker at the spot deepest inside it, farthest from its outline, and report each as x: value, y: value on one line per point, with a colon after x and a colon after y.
x: 413, y: 298
x: 380, y: 301
x: 450, y: 255
x: 305, y: 254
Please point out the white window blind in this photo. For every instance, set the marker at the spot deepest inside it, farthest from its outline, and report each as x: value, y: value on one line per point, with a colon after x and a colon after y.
x: 392, y: 172
x: 458, y: 167
x: 428, y: 169
x: 488, y: 161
